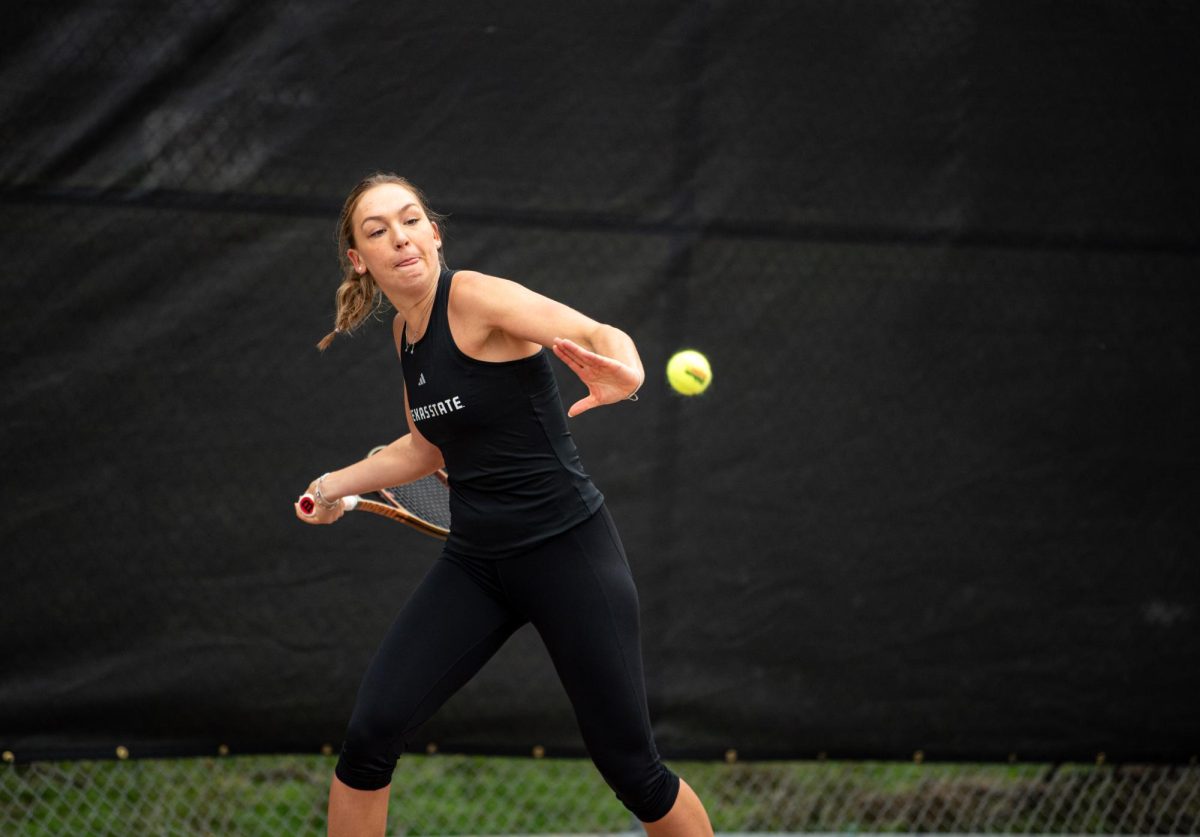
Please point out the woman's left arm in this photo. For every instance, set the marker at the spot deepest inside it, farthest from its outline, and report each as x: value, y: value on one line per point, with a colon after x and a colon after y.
x: 605, y: 358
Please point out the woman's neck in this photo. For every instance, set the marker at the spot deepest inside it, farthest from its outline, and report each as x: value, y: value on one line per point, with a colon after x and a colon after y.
x: 416, y: 313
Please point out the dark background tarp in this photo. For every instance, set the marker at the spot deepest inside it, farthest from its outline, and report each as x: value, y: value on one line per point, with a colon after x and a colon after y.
x: 942, y: 495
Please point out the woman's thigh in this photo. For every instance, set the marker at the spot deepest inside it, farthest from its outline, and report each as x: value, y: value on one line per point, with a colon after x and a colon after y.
x: 580, y: 596
x: 450, y: 626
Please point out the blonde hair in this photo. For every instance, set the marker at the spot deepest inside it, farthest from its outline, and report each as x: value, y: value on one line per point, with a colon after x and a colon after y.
x: 358, y: 296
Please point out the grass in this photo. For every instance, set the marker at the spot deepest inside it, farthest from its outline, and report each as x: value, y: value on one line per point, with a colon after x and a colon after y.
x: 285, y: 795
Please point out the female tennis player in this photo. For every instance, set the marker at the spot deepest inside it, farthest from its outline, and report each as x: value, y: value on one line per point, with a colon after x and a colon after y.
x: 530, y: 538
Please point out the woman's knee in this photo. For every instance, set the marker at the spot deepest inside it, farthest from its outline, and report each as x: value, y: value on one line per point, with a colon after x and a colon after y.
x: 369, y: 753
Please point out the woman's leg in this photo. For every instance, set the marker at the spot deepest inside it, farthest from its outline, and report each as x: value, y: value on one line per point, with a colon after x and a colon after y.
x: 448, y: 629
x: 355, y: 813
x: 580, y: 595
x: 687, y: 817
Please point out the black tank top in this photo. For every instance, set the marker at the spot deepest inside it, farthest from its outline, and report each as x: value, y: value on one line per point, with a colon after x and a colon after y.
x: 515, y: 475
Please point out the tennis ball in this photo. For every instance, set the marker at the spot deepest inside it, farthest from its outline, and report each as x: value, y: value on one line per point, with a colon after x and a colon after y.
x: 689, y: 372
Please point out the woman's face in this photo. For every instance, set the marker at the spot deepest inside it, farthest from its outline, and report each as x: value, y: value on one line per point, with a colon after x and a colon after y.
x: 393, y: 238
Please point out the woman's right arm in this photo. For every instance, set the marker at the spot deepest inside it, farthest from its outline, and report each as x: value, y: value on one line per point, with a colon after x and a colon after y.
x: 409, y: 458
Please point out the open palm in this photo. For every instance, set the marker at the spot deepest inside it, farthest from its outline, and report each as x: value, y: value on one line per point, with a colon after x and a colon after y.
x: 608, y: 381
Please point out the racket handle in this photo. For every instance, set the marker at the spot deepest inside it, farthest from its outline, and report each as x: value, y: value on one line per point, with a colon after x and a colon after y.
x: 308, y: 503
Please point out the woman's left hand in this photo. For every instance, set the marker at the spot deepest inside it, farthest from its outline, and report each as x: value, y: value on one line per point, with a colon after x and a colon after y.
x: 608, y: 381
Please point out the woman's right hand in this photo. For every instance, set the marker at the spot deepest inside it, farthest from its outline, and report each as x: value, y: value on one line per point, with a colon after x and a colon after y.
x: 320, y: 514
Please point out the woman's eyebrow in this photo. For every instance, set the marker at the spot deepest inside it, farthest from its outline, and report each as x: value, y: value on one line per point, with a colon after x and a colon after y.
x: 381, y: 218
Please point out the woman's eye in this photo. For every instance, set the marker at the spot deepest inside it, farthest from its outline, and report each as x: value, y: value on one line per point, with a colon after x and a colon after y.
x: 374, y: 233
x: 412, y: 221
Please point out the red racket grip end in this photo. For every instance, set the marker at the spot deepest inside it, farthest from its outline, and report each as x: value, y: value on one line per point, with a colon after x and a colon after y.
x: 307, y: 504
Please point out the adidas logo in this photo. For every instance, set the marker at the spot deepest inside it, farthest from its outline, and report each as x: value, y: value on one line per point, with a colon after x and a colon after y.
x: 421, y: 380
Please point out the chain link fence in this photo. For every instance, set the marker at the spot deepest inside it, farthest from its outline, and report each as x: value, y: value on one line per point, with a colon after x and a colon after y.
x: 443, y: 794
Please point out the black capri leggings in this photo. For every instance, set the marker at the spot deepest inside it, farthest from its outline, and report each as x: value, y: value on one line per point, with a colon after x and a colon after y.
x: 578, y: 592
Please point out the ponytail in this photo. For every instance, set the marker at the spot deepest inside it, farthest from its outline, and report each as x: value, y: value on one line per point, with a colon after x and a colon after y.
x: 357, y: 297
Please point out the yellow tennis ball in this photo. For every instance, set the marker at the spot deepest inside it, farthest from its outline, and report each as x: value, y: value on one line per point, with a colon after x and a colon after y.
x: 689, y: 372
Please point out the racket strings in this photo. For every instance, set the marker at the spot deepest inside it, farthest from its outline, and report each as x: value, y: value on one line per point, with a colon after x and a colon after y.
x: 427, y: 498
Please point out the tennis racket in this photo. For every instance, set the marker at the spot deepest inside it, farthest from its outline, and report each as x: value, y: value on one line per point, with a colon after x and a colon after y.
x: 424, y: 504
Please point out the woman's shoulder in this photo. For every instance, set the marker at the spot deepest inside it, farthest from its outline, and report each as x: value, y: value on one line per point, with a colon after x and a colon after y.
x: 472, y: 281
x: 476, y: 291
x: 492, y: 304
